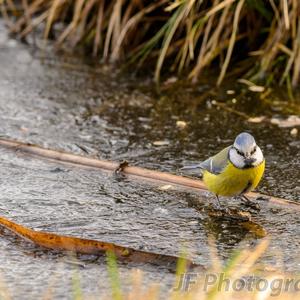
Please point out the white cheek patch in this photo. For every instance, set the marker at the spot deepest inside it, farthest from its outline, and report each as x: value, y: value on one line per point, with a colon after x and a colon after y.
x: 236, y: 159
x: 258, y: 155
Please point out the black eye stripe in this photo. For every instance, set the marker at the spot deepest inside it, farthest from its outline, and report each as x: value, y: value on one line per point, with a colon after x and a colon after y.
x: 253, y: 151
x: 242, y: 154
x: 239, y: 152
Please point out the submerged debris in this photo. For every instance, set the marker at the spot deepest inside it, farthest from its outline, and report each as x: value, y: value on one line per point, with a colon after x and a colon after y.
x: 240, y: 217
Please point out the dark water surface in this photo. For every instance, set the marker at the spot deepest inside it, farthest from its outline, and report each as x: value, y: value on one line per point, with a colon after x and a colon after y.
x: 63, y: 103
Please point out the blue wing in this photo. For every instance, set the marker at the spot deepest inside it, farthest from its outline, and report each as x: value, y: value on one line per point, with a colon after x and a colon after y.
x: 214, y: 164
x: 217, y: 163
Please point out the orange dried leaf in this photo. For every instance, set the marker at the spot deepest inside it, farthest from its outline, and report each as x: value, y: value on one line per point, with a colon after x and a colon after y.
x: 87, y: 246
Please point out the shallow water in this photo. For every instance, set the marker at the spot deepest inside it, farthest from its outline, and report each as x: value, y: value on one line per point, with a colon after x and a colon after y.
x: 64, y: 103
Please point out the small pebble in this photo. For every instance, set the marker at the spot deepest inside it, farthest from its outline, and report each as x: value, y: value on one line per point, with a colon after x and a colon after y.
x: 165, y: 187
x: 294, y: 132
x: 161, y: 143
x: 181, y: 124
x: 24, y: 129
x: 230, y: 92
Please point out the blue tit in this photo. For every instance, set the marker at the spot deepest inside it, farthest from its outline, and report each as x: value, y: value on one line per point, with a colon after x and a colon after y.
x: 235, y: 170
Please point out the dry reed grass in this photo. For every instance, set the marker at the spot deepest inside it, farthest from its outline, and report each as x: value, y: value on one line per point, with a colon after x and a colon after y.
x: 181, y: 34
x: 243, y: 264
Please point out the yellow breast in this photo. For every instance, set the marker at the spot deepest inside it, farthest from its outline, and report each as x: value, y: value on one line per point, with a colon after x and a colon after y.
x: 233, y: 181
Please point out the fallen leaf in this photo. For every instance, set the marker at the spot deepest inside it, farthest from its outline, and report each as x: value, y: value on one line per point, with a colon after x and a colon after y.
x: 291, y: 121
x: 87, y: 246
x: 257, y: 119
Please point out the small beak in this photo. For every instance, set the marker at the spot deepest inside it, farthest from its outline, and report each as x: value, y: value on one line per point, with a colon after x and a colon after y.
x: 249, y: 161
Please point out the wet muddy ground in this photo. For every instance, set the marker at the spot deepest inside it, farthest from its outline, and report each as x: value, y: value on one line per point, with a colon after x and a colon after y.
x: 62, y: 102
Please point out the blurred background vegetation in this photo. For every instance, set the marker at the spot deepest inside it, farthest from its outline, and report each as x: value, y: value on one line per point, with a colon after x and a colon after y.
x: 256, y: 39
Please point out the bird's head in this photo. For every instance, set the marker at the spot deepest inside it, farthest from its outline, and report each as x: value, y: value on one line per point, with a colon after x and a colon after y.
x: 244, y: 152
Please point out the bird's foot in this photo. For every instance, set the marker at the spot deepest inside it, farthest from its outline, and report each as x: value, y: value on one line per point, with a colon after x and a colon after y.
x: 250, y: 203
x: 262, y: 198
x: 221, y: 208
x: 227, y: 213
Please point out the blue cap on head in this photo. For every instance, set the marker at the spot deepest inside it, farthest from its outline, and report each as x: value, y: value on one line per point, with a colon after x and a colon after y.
x: 244, y: 139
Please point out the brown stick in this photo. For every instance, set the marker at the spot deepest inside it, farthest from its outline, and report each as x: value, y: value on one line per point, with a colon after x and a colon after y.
x: 146, y: 174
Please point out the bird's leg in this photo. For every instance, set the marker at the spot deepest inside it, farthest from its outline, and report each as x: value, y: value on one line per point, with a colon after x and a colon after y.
x: 219, y: 203
x: 220, y: 206
x: 250, y: 203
